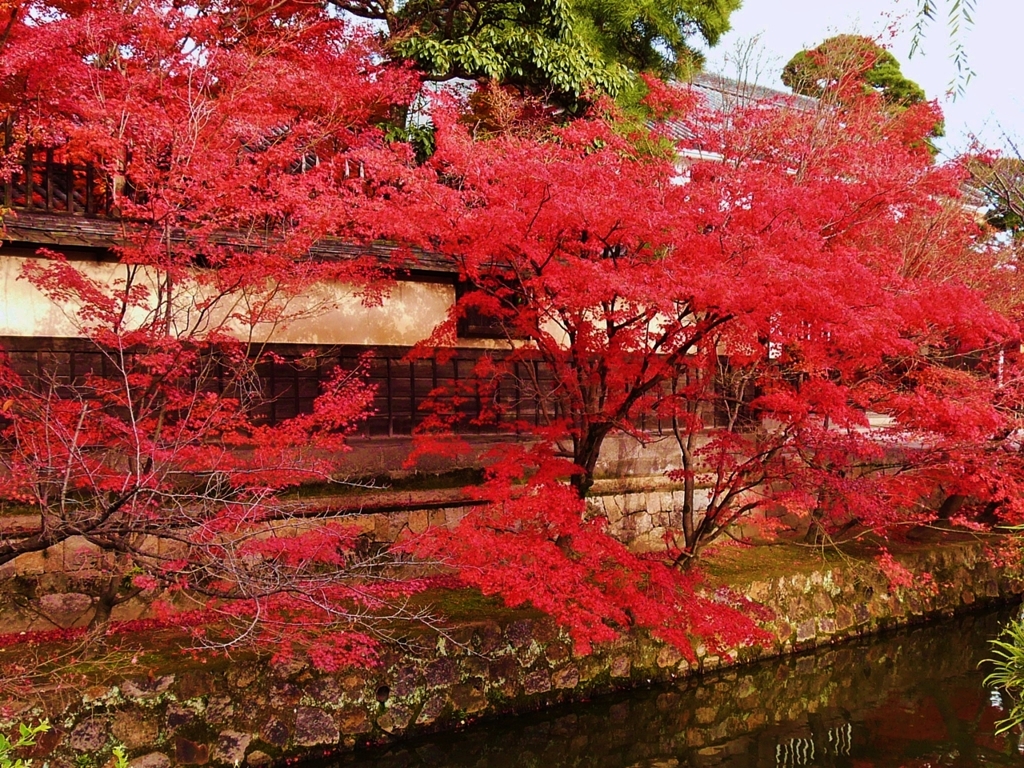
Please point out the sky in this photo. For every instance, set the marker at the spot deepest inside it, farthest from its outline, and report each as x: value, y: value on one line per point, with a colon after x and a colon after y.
x: 991, y: 107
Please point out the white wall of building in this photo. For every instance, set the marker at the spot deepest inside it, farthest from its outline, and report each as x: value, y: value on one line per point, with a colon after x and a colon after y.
x: 329, y: 314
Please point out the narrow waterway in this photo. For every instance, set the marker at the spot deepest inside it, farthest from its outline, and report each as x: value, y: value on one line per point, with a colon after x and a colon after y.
x: 913, y: 698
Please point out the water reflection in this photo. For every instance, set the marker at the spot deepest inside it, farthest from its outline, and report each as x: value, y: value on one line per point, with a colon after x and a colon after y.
x: 911, y: 699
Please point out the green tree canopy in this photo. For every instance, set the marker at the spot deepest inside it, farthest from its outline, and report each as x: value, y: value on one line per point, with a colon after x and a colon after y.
x: 561, y: 47
x: 1000, y: 185
x: 845, y: 65
x: 846, y: 60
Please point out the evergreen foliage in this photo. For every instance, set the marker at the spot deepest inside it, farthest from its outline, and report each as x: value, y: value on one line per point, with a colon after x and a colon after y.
x: 563, y: 48
x: 845, y: 65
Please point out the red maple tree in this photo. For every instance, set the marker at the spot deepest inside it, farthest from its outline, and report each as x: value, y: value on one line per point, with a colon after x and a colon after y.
x: 226, y: 141
x: 758, y: 299
x: 757, y: 296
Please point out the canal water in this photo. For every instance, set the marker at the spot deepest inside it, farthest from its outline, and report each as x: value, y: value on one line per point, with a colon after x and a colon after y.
x: 910, y: 699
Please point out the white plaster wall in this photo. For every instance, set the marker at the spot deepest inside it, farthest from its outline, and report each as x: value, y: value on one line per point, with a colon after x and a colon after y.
x: 25, y: 311
x: 331, y: 314
x: 334, y: 314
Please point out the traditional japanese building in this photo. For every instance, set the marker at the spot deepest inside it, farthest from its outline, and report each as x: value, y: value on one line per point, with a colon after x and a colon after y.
x: 69, y: 208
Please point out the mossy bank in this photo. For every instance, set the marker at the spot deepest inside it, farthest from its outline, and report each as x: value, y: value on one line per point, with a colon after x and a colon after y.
x: 248, y: 712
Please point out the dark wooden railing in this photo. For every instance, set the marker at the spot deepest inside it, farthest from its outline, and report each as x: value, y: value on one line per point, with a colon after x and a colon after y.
x: 287, y: 383
x: 48, y: 181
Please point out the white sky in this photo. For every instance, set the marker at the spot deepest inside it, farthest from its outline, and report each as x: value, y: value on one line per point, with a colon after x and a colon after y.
x: 993, y: 104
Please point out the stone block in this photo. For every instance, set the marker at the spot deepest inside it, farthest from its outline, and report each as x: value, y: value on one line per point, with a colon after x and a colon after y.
x: 285, y: 694
x: 453, y: 516
x: 592, y: 667
x: 90, y: 735
x: 231, y: 746
x: 66, y: 610
x: 669, y: 656
x: 759, y: 591
x: 566, y: 677
x: 134, y: 729
x: 652, y: 503
x: 844, y: 618
x: 706, y: 715
x: 504, y: 669
x: 170, y: 550
x: 219, y: 709
x: 193, y: 684
x: 537, y: 682
x: 353, y: 684
x: 643, y: 522
x: 633, y: 503
x: 151, y: 760
x: 432, y: 709
x: 131, y: 610
x: 242, y: 674
x: 31, y: 563
x: 149, y: 546
x: 419, y: 520
x: 314, y: 727
x: 275, y: 732
x: 80, y: 555
x: 187, y: 752
x: 398, y: 523
x: 701, y: 499
x: 469, y: 697
x: 668, y: 505
x: 323, y: 690
x: 147, y: 689
x: 613, y: 508
x: 821, y: 603
x: 519, y: 633
x: 805, y: 631
x: 783, y: 631
x: 441, y: 672
x: 177, y: 716
x: 353, y: 720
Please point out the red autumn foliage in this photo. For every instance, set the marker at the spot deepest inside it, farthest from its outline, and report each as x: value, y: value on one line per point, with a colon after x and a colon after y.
x: 533, y: 543
x: 231, y: 139
x: 762, y: 299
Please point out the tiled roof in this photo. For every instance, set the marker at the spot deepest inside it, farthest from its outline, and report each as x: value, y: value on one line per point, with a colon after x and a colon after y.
x: 36, y: 228
x: 60, y: 230
x: 722, y: 93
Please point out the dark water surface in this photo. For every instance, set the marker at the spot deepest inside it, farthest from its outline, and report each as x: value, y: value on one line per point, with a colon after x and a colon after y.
x: 914, y: 698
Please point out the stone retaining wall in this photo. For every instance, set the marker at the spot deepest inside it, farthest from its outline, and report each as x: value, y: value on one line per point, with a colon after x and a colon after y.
x: 783, y: 713
x: 636, y: 517
x: 51, y: 589
x: 252, y: 714
x: 640, y: 519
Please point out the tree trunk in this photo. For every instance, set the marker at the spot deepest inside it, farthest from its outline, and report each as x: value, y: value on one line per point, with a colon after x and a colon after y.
x: 951, y: 506
x: 816, y: 533
x: 103, y: 608
x: 588, y: 450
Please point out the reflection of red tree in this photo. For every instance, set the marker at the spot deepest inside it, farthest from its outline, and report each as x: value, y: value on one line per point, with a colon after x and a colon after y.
x: 984, y: 734
x: 899, y: 721
x: 967, y: 702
